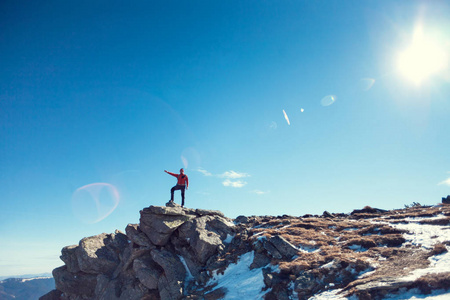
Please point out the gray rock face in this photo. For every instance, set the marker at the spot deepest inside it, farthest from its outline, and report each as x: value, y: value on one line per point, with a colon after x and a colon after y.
x: 170, y: 284
x: 69, y: 257
x: 285, y: 248
x: 205, y: 235
x: 74, y: 283
x: 100, y: 254
x: 158, y: 223
x: 147, y: 272
x: 147, y: 262
x: 136, y: 236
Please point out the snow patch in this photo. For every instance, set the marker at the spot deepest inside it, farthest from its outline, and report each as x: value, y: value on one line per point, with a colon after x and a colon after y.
x: 307, y: 248
x: 415, y: 294
x: 228, y: 239
x: 189, y: 276
x: 239, y: 281
x: 357, y: 248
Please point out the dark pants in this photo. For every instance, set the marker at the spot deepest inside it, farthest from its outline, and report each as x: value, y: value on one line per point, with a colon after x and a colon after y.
x: 175, y: 188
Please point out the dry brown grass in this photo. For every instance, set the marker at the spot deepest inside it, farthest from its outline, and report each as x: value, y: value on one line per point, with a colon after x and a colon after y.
x: 332, y: 245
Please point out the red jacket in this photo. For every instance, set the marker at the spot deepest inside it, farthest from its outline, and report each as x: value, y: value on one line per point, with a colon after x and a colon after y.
x: 181, y: 179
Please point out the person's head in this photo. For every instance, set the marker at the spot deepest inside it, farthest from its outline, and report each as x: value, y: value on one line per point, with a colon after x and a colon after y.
x: 181, y: 171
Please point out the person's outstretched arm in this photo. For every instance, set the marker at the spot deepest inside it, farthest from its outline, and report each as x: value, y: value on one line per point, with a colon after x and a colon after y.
x: 170, y: 173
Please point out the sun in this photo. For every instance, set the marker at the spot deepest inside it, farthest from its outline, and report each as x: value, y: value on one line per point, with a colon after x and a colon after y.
x: 423, y: 58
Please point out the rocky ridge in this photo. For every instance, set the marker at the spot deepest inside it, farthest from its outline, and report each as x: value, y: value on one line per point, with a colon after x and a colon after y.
x: 178, y: 253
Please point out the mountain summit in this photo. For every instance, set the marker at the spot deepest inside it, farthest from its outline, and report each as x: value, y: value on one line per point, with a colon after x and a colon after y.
x: 183, y: 253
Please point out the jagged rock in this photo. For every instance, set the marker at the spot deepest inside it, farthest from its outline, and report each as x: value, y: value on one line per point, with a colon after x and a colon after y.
x: 52, y: 295
x: 220, y: 225
x: 74, y: 283
x: 305, y: 283
x: 260, y: 260
x: 147, y: 272
x: 107, y: 289
x: 170, y: 284
x: 270, y: 278
x: 69, y: 257
x: 285, y: 248
x: 128, y: 257
x: 446, y: 200
x: 205, y: 243
x: 241, y: 219
x: 172, y: 204
x: 205, y: 235
x: 123, y: 288
x: 100, y: 254
x: 272, y: 250
x: 136, y: 290
x: 135, y: 234
x: 327, y: 215
x: 206, y: 212
x: 158, y: 222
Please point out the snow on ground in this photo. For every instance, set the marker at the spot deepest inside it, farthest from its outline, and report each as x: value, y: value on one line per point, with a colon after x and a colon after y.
x: 240, y: 281
x: 427, y: 236
x: 330, y: 295
x: 228, y: 239
x: 413, y: 295
x: 189, y: 276
x: 423, y: 235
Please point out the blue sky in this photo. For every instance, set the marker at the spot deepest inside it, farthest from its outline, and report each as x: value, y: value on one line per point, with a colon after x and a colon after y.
x: 98, y: 98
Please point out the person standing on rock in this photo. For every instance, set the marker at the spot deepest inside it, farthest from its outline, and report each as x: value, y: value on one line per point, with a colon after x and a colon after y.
x: 182, y: 184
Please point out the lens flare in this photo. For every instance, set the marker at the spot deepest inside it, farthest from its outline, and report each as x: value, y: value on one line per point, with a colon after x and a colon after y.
x: 302, y: 110
x: 273, y: 125
x: 328, y: 100
x: 366, y: 84
x: 286, y: 117
x: 94, y: 202
x: 190, y: 158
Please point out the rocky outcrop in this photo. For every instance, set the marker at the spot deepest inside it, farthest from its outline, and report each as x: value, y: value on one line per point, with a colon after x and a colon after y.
x: 178, y: 253
x: 154, y: 259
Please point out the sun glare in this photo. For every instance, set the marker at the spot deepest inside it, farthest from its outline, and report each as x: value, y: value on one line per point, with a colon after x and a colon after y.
x: 424, y: 58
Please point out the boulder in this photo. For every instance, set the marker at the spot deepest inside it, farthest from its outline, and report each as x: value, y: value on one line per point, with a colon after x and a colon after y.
x: 285, y: 248
x: 204, y: 243
x: 206, y: 212
x: 305, y: 283
x: 220, y: 225
x: 326, y: 214
x: 147, y: 272
x: 100, y: 254
x: 241, y: 219
x: 74, y: 283
x: 271, y: 249
x: 52, y: 295
x: 107, y: 289
x: 260, y: 260
x: 158, y: 222
x: 128, y: 257
x: 446, y: 200
x: 69, y: 257
x: 135, y: 234
x: 171, y: 283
